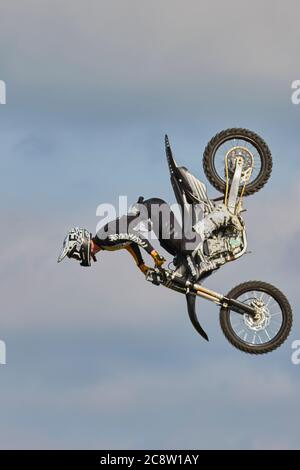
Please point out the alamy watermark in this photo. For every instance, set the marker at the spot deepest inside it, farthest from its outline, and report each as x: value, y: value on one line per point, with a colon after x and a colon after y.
x: 2, y: 92
x: 2, y: 352
x: 154, y: 218
x: 295, y: 96
x: 295, y: 357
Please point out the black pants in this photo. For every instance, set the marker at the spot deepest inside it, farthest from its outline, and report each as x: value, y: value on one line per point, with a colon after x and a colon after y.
x: 166, y: 227
x: 124, y: 230
x: 164, y: 224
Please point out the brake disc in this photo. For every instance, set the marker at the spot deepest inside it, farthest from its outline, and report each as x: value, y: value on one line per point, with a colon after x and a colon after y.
x: 248, y: 160
x: 261, y: 319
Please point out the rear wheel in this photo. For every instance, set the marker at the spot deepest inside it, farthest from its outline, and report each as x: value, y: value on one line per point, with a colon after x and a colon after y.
x: 237, y: 142
x: 271, y: 326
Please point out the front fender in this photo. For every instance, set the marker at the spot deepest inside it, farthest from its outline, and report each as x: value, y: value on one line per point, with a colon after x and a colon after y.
x: 191, y: 305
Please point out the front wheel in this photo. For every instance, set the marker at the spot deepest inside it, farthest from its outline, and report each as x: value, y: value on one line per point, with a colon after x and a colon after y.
x: 271, y: 326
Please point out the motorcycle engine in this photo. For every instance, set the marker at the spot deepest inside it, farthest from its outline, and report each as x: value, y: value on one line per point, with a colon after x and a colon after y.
x: 224, y: 245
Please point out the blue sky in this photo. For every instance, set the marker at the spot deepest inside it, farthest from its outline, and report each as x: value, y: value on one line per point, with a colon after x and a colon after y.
x: 97, y: 358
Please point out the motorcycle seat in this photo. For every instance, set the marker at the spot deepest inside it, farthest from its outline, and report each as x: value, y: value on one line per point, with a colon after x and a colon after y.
x: 193, y: 188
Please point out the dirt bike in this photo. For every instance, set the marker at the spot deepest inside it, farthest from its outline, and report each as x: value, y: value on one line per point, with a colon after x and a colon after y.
x: 255, y: 316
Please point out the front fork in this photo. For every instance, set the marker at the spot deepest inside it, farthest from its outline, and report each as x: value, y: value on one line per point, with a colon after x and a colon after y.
x: 166, y: 278
x: 221, y: 300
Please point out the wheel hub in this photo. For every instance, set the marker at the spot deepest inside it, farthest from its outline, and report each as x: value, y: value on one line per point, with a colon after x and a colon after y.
x: 261, y: 319
x: 237, y: 153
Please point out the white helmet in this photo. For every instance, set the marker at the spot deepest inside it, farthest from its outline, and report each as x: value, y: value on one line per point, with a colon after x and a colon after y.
x: 77, y: 245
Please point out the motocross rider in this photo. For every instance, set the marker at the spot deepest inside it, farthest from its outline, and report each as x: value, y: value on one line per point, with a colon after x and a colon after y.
x: 126, y: 232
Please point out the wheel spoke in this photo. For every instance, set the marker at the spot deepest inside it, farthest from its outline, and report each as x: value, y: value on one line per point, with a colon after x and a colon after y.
x: 266, y: 331
x: 270, y: 298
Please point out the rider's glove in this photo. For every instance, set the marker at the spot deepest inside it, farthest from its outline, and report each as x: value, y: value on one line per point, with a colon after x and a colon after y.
x: 158, y: 260
x: 74, y: 255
